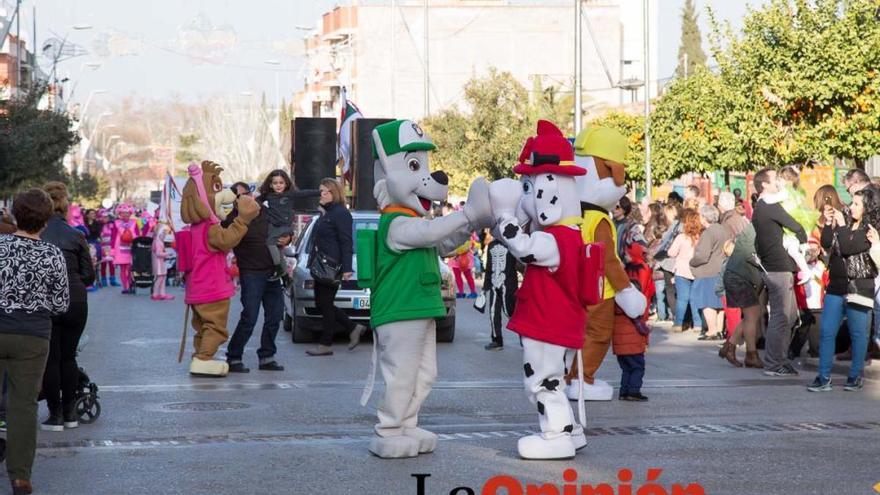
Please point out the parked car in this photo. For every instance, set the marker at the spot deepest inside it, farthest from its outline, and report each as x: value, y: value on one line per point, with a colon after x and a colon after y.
x: 303, y: 319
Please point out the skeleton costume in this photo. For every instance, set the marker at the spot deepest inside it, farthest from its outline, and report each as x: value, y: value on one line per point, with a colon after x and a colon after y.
x: 499, y: 283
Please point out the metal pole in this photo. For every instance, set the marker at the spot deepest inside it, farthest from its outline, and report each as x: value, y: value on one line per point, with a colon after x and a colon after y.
x: 393, y: 55
x: 427, y: 69
x: 578, y: 35
x: 648, y: 175
x: 18, y: 44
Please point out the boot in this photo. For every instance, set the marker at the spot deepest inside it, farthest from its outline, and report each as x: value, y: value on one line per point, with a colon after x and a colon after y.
x: 730, y: 354
x: 103, y: 281
x: 753, y: 360
x: 723, y: 351
x: 320, y: 350
x: 22, y: 487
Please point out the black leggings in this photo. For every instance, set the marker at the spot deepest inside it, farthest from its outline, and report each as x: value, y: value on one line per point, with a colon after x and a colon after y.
x: 332, y: 316
x: 62, y: 373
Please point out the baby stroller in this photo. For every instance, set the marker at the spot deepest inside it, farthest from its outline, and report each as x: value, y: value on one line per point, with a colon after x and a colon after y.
x: 87, y: 406
x: 142, y: 262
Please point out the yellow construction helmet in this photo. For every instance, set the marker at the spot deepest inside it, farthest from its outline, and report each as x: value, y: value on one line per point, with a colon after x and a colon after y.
x: 604, y: 142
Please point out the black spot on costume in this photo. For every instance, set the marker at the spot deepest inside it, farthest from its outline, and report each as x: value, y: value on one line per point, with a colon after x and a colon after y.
x: 510, y: 231
x: 541, y: 408
x: 529, y: 371
x: 550, y: 384
x: 530, y: 258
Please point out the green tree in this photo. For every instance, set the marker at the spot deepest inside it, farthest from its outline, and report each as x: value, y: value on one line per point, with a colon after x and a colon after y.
x: 702, y: 124
x: 32, y: 142
x: 186, y: 142
x: 633, y: 127
x: 813, y: 69
x: 485, y: 140
x: 690, y: 51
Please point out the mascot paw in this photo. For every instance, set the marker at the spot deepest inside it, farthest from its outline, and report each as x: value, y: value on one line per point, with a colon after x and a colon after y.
x: 380, y: 192
x: 505, y: 195
x: 631, y: 301
x: 478, y: 208
x: 427, y: 440
x: 397, y: 447
x: 600, y: 390
x: 210, y: 368
x: 248, y: 209
x: 538, y: 447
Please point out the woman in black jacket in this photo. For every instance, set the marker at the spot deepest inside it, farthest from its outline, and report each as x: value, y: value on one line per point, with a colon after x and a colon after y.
x: 850, y: 289
x: 331, y: 236
x: 62, y: 372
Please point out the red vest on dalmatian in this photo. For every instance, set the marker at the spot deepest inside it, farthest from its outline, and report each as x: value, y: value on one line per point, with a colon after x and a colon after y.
x: 548, y: 305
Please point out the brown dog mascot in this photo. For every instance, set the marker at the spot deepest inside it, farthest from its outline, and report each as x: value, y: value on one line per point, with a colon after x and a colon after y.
x: 208, y: 284
x: 601, y: 151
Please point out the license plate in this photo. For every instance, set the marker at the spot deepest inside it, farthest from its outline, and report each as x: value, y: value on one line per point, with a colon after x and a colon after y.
x: 361, y: 303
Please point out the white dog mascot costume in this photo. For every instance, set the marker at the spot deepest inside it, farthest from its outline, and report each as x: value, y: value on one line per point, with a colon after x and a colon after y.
x: 549, y: 312
x: 405, y: 297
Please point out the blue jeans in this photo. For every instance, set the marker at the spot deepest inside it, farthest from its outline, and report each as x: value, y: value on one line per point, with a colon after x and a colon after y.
x: 256, y: 288
x: 632, y: 369
x: 857, y: 319
x: 683, y: 300
x: 660, y: 295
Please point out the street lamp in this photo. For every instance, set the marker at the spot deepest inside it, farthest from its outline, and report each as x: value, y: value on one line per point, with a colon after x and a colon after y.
x: 81, y: 27
x: 94, y: 92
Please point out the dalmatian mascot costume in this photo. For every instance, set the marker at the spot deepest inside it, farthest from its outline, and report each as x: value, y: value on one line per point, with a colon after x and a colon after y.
x: 549, y: 312
x: 601, y: 151
x: 406, y: 297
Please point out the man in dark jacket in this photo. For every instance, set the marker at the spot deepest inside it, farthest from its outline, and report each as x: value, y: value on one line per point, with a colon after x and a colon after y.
x: 258, y: 286
x: 769, y: 219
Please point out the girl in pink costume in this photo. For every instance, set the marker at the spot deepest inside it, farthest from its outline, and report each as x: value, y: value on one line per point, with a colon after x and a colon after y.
x: 160, y: 271
x: 108, y: 237
x: 126, y: 230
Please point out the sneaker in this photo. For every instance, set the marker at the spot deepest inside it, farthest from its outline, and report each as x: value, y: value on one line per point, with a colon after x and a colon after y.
x: 854, y: 384
x: 53, y: 423
x: 781, y: 370
x: 2, y: 426
x: 637, y: 397
x: 472, y: 295
x: 493, y: 346
x: 238, y: 367
x: 71, y: 420
x: 820, y: 385
x: 459, y: 295
x: 271, y: 366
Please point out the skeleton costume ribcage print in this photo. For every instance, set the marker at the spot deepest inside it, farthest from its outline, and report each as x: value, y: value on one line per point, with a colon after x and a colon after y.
x: 500, y: 283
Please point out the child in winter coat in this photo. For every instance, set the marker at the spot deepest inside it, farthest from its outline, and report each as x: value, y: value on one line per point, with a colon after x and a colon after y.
x: 160, y: 270
x: 629, y: 341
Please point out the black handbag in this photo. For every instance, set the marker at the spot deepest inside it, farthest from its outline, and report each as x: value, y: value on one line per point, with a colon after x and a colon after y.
x: 324, y: 269
x: 859, y: 265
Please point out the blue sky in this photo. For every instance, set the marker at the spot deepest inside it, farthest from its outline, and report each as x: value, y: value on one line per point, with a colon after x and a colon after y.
x: 265, y: 30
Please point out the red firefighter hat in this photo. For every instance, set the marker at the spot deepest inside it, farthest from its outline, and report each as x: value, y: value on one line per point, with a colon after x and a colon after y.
x: 547, y: 153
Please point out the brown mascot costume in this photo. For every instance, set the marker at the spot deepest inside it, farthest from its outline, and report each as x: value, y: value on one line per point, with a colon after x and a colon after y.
x: 601, y: 151
x: 208, y: 284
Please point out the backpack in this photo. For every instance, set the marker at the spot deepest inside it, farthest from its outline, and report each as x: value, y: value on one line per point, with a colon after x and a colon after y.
x: 183, y: 244
x: 366, y: 248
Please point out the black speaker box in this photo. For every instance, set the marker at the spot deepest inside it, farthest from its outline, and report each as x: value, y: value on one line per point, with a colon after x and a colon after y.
x: 314, y: 156
x: 361, y: 160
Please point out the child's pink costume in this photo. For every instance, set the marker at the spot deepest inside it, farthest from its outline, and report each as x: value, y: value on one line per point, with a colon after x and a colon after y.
x: 126, y: 230
x: 108, y: 236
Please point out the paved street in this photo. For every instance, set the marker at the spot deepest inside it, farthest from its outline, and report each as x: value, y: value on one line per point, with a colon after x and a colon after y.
x: 302, y: 431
